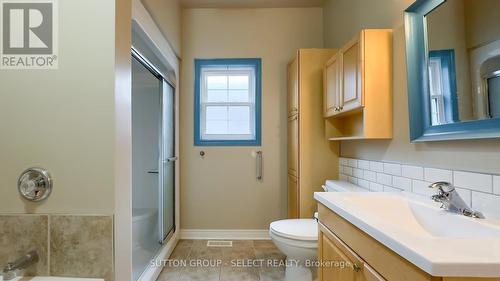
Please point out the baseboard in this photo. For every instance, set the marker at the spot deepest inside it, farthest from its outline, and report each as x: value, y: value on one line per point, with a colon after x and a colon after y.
x: 233, y: 234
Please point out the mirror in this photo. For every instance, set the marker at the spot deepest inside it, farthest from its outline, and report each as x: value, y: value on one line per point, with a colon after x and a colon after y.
x: 453, y: 47
x: 463, y: 41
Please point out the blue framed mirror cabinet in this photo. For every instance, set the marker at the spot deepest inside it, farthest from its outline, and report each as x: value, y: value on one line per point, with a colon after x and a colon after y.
x: 453, y: 68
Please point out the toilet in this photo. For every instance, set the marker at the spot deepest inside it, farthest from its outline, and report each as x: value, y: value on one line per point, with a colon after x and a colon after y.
x: 298, y: 238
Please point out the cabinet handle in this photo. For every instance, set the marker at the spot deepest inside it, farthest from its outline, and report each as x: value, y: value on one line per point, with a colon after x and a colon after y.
x: 356, y: 267
x: 341, y: 108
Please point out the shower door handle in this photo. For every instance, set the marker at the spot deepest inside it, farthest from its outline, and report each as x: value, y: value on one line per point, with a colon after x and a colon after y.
x: 172, y: 159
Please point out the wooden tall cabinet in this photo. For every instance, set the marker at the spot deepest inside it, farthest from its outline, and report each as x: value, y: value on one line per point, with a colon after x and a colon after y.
x: 312, y: 159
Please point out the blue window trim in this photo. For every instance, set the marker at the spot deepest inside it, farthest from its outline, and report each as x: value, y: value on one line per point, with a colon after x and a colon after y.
x: 449, y: 78
x: 253, y: 62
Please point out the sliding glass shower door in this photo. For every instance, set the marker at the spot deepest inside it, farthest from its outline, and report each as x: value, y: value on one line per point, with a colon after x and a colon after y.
x: 168, y: 162
x: 153, y: 162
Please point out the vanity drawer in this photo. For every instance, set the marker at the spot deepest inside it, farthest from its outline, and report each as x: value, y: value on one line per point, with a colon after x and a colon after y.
x: 383, y: 260
x: 339, y: 262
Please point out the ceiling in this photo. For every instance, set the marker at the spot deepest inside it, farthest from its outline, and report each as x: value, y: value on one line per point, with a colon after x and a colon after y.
x: 250, y: 3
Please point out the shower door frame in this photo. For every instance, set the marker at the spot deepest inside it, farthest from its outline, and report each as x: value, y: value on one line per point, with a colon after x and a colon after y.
x: 165, y: 82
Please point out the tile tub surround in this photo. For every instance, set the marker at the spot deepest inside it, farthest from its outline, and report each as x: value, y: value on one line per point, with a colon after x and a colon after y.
x: 481, y: 191
x: 81, y: 246
x: 21, y: 234
x: 242, y: 250
x: 68, y: 245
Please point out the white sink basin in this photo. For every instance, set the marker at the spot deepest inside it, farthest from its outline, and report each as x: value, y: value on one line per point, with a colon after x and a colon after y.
x: 439, y: 242
x: 50, y: 278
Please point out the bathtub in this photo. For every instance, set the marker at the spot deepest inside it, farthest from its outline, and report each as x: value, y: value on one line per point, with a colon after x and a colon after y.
x: 144, y: 226
x: 145, y: 237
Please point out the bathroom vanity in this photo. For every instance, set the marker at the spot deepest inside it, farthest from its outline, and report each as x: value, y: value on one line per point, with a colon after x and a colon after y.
x: 402, y: 237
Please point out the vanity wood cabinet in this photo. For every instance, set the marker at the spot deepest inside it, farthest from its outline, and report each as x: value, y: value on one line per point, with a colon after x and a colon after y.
x: 365, y: 258
x: 312, y: 159
x: 331, y: 248
x: 358, y: 88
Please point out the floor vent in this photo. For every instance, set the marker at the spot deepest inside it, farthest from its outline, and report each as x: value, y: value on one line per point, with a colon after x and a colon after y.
x: 219, y: 243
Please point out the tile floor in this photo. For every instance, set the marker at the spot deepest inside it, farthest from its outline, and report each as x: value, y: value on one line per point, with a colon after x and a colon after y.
x: 264, y: 251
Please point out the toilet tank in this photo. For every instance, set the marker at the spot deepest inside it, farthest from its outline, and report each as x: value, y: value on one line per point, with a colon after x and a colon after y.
x: 342, y: 186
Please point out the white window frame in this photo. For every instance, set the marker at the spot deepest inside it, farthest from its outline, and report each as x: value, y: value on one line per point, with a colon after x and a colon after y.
x: 204, y: 103
x: 435, y: 65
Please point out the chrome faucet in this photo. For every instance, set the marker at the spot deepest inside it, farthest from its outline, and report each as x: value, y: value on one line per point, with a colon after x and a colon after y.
x: 451, y: 200
x: 20, y: 263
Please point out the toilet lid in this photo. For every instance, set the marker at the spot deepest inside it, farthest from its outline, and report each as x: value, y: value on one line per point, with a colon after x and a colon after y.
x: 299, y: 229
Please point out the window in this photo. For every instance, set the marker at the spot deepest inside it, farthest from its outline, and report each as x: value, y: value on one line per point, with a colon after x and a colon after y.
x: 442, y: 87
x: 227, y: 102
x: 436, y: 91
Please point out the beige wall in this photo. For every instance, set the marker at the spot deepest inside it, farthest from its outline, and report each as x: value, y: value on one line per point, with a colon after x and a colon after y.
x: 483, y: 22
x: 344, y: 18
x: 340, y: 19
x: 167, y: 15
x: 220, y: 191
x: 63, y: 120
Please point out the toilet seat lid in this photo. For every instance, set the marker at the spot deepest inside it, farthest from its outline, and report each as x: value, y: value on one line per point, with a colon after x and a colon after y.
x: 299, y: 229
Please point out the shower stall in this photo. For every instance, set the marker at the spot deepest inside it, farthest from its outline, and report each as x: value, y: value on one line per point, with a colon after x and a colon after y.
x: 153, y: 162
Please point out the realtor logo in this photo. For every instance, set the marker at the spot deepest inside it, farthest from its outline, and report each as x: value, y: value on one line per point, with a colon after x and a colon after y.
x: 28, y: 34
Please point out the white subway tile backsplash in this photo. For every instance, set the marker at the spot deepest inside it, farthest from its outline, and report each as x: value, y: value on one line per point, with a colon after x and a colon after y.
x: 364, y: 183
x: 353, y: 180
x: 391, y: 189
x: 488, y: 204
x: 352, y: 163
x: 343, y: 161
x: 364, y: 164
x: 357, y: 173
x: 376, y: 187
x: 465, y: 194
x: 392, y: 169
x: 347, y: 171
x: 434, y: 175
x: 377, y: 166
x: 481, y: 191
x: 402, y: 183
x: 496, y: 185
x: 422, y: 188
x: 473, y: 181
x: 370, y: 175
x: 412, y: 172
x: 343, y: 177
x: 384, y: 179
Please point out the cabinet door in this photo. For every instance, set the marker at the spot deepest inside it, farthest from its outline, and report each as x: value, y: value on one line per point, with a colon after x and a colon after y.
x: 332, y: 86
x: 351, y: 76
x: 293, y: 88
x: 339, y: 262
x: 293, y: 145
x: 293, y: 197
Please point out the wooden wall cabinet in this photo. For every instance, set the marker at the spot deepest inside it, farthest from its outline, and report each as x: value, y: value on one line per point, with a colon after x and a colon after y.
x: 312, y: 159
x: 365, y: 258
x: 358, y: 88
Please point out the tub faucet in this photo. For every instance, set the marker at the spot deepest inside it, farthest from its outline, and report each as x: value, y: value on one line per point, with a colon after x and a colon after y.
x: 451, y: 200
x: 20, y: 263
